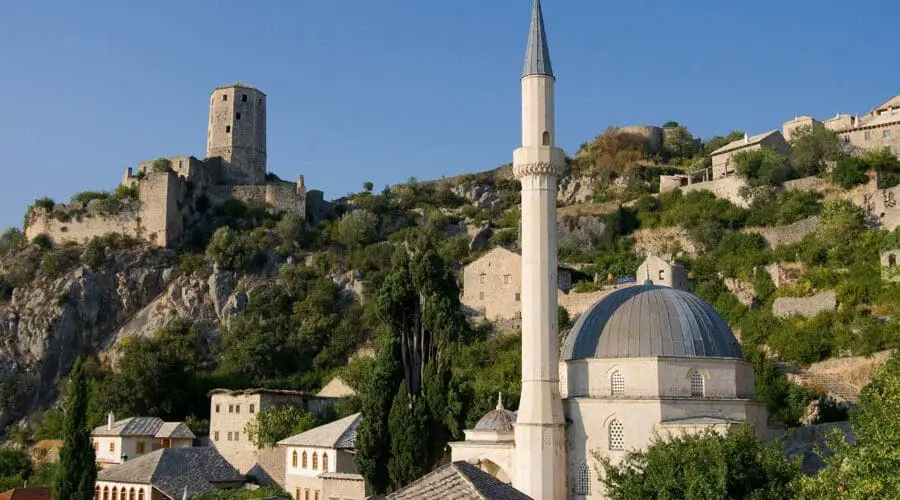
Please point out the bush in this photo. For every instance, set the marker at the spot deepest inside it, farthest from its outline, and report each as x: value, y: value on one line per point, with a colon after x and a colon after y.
x: 86, y: 196
x: 357, y: 228
x: 849, y: 172
x: 191, y: 263
x: 161, y: 166
x: 505, y: 237
x: 234, y: 250
x: 763, y: 167
x: 11, y: 241
x: 58, y: 262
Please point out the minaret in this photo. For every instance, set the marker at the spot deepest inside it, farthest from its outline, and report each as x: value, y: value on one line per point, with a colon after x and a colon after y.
x: 538, y: 164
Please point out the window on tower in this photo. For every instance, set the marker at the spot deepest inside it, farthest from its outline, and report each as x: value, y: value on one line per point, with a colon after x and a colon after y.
x: 227, y: 129
x: 546, y: 138
x: 237, y: 116
x: 224, y: 97
x: 243, y: 97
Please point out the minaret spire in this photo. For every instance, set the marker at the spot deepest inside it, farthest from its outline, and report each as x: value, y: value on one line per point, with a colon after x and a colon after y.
x: 538, y: 165
x: 537, y: 53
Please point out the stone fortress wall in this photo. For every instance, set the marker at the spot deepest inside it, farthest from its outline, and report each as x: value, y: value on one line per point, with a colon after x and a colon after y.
x: 807, y: 307
x: 167, y: 202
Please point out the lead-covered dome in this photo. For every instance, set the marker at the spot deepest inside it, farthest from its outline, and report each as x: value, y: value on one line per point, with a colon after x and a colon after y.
x: 650, y: 320
x: 497, y: 420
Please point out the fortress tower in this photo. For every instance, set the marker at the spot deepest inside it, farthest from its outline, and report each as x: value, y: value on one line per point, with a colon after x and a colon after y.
x: 538, y: 164
x: 237, y: 133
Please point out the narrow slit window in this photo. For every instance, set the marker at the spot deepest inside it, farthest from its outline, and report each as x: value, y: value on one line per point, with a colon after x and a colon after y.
x: 227, y: 129
x: 237, y: 116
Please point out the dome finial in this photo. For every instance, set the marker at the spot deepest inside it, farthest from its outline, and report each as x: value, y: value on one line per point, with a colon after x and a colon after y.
x: 500, y: 401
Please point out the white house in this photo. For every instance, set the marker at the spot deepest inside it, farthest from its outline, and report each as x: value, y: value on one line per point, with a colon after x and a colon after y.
x: 119, y: 441
x: 320, y: 464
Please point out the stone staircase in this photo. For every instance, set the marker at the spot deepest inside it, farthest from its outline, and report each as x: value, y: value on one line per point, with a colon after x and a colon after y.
x: 833, y: 387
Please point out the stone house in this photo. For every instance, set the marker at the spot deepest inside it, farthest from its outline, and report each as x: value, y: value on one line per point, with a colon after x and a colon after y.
x: 492, y: 284
x: 45, y: 451
x: 231, y: 410
x: 664, y: 273
x: 123, y: 440
x: 320, y: 463
x: 789, y: 127
x: 722, y: 158
x: 879, y: 128
x: 890, y: 271
x: 169, y: 473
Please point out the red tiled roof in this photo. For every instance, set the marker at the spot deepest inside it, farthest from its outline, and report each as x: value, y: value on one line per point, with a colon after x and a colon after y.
x: 32, y: 493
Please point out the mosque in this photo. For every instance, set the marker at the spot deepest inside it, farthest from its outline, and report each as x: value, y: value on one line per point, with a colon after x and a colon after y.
x: 646, y: 360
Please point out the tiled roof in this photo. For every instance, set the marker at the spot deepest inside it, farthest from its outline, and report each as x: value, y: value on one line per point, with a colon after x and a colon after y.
x: 337, y: 388
x: 32, y: 493
x: 740, y: 143
x: 343, y: 476
x: 700, y: 421
x: 132, y: 426
x: 171, y: 470
x: 340, y: 434
x: 175, y: 430
x: 250, y: 392
x: 459, y: 480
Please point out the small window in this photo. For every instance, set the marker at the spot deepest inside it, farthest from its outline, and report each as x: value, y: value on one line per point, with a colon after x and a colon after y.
x: 662, y: 275
x: 227, y: 129
x: 518, y: 297
x: 112, y: 446
x: 617, y: 384
x: 140, y: 447
x: 886, y: 134
x: 867, y: 135
x: 215, y: 435
x: 698, y: 385
x: 315, y: 461
x: 230, y: 408
x: 224, y: 97
x: 303, y: 460
x: 482, y: 279
x: 237, y: 116
x: 237, y: 436
x: 616, y: 435
x: 217, y: 408
x: 480, y: 295
x: 506, y: 279
x: 583, y: 479
x: 237, y: 408
x: 252, y: 408
x: 324, y: 462
x: 229, y: 435
x: 243, y: 97
x: 546, y: 138
x: 294, y: 459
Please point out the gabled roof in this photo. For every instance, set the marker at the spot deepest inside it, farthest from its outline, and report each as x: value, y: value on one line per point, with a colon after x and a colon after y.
x: 172, y: 470
x: 340, y: 434
x: 893, y: 102
x: 145, y: 426
x: 32, y: 493
x: 742, y: 143
x: 459, y: 480
x: 175, y: 430
x: 337, y: 388
x: 260, y: 390
x: 537, y: 54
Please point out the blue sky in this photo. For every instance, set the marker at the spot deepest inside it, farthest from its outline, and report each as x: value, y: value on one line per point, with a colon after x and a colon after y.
x: 383, y: 90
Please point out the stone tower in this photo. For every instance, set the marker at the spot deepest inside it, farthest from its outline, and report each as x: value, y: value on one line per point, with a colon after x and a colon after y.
x: 237, y: 133
x: 538, y: 164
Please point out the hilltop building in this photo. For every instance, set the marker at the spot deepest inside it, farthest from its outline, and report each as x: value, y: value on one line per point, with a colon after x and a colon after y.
x: 644, y: 359
x: 172, y: 196
x: 123, y: 440
x: 879, y: 128
x: 320, y: 463
x: 723, y: 158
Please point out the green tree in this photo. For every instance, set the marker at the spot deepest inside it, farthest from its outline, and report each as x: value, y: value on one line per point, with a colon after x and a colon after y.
x: 357, y: 228
x: 718, y: 141
x: 849, y: 172
x: 77, y: 469
x: 234, y: 250
x: 161, y: 165
x: 11, y: 241
x: 278, y: 422
x: 763, y: 167
x: 14, y: 462
x: 813, y: 148
x: 869, y: 468
x: 841, y: 222
x: 679, y: 143
x: 368, y: 186
x: 701, y: 466
x: 408, y: 426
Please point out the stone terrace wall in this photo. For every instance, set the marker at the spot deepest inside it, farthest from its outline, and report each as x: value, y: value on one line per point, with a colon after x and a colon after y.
x: 786, y: 235
x: 82, y: 228
x: 728, y: 188
x: 804, y: 306
x: 281, y: 196
x: 577, y: 303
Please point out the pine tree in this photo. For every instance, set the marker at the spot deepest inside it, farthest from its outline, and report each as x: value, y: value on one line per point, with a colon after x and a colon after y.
x: 77, y: 470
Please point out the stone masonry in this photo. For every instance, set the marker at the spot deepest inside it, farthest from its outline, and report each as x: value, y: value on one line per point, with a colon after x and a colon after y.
x: 804, y: 306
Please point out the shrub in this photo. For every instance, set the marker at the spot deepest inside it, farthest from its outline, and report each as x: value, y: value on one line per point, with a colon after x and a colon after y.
x: 161, y: 165
x: 763, y: 167
x: 42, y: 241
x: 233, y: 250
x: 11, y: 241
x: 505, y: 237
x: 94, y: 253
x: 191, y: 263
x: 357, y: 228
x: 849, y: 172
x: 86, y: 196
x: 59, y: 261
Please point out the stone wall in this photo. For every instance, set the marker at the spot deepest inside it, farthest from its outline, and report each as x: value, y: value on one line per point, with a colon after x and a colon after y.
x: 577, y: 303
x: 728, y: 188
x: 786, y: 235
x: 282, y: 196
x: 82, y: 228
x: 804, y: 306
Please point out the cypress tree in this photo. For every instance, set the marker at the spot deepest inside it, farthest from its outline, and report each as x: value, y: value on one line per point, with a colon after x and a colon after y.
x: 77, y: 470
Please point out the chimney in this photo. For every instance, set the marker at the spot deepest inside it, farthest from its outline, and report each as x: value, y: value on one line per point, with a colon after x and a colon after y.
x: 110, y: 420
x: 746, y: 138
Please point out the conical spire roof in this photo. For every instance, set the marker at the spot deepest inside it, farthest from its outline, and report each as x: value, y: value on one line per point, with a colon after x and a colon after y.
x: 537, y: 54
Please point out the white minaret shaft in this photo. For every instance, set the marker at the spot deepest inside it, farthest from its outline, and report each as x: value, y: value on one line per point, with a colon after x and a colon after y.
x: 538, y: 164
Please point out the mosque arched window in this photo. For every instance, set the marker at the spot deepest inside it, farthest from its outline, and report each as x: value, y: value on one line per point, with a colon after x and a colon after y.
x: 315, y: 461
x: 698, y: 385
x: 617, y: 384
x: 616, y: 435
x: 546, y: 138
x: 583, y: 479
x: 325, y: 462
x: 294, y: 459
x: 303, y: 460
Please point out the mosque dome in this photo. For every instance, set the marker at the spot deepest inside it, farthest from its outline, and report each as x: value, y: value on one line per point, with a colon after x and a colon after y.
x: 650, y: 320
x: 497, y: 420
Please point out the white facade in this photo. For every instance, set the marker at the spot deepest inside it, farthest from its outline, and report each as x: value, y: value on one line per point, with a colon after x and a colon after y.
x: 106, y: 490
x: 663, y: 273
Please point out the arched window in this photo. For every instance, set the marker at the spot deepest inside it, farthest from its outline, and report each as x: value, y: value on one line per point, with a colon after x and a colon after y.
x: 583, y: 479
x: 132, y: 495
x: 115, y: 493
x: 303, y: 460
x: 97, y: 492
x: 106, y: 493
x: 616, y: 435
x: 294, y: 459
x: 315, y: 461
x: 892, y: 260
x: 698, y: 385
x: 546, y: 138
x: 324, y: 462
x: 141, y: 494
x: 617, y: 384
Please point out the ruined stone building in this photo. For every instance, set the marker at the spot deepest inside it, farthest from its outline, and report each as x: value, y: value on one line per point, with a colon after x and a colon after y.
x: 173, y: 195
